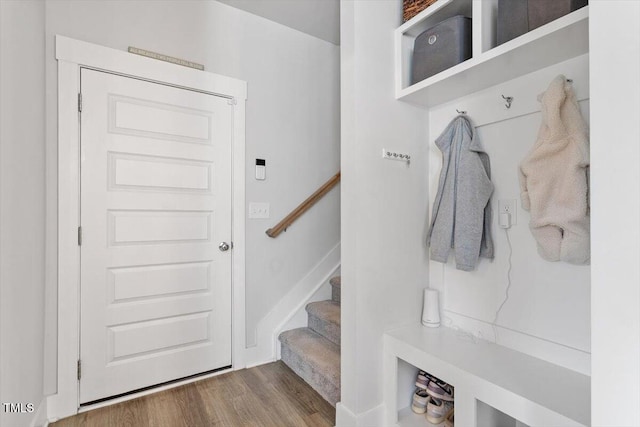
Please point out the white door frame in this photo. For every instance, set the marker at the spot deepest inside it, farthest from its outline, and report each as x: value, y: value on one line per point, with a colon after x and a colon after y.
x: 72, y: 55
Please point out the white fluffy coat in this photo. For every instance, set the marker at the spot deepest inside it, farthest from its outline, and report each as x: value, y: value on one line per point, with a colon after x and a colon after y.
x: 554, y: 178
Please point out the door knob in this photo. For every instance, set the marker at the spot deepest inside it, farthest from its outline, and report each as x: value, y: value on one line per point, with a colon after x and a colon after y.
x: 224, y: 246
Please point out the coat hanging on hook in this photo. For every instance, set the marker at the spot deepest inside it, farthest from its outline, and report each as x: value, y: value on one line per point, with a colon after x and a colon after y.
x: 461, y: 216
x: 554, y: 178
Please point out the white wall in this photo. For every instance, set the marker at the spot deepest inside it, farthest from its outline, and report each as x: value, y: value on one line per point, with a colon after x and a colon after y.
x: 384, y: 205
x: 22, y: 208
x: 318, y: 18
x: 547, y: 314
x: 292, y: 118
x: 615, y: 212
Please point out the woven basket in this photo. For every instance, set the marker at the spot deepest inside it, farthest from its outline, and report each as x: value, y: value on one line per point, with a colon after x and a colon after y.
x: 411, y: 8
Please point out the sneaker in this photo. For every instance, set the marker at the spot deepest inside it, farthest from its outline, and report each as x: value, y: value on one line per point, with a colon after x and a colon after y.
x: 423, y: 379
x: 419, y: 404
x: 448, y: 419
x: 440, y: 390
x: 437, y: 410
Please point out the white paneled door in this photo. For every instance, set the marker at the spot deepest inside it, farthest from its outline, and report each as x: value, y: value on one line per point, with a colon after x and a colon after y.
x: 155, y: 205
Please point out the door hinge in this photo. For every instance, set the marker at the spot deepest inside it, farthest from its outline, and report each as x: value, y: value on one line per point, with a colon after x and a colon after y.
x: 80, y: 102
x: 79, y: 236
x: 79, y: 369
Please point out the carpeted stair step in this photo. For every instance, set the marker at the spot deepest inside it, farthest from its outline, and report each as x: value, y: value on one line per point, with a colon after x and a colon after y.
x: 324, y: 319
x: 315, y: 359
x: 335, y: 288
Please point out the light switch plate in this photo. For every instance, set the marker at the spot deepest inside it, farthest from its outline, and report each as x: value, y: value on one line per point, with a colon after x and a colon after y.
x: 258, y: 210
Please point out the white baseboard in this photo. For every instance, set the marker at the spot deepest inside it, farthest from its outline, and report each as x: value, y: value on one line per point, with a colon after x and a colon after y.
x: 272, y: 324
x: 371, y: 418
x: 40, y: 415
x: 344, y: 417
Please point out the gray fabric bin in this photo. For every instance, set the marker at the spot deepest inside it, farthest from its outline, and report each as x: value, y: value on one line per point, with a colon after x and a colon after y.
x: 440, y: 47
x: 516, y: 17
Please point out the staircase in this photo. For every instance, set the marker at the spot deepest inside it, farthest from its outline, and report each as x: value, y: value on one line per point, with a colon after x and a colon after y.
x: 314, y: 352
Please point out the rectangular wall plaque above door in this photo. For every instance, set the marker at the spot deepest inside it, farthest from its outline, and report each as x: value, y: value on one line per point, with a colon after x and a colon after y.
x: 166, y: 58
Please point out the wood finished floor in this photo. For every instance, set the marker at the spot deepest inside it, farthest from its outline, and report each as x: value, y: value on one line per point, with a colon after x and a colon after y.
x: 267, y: 395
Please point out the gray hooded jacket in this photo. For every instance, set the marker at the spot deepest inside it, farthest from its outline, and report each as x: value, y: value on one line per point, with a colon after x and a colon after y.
x: 461, y: 215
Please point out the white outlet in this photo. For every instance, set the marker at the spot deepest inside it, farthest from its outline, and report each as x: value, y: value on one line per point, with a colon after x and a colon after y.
x: 509, y: 206
x: 258, y: 210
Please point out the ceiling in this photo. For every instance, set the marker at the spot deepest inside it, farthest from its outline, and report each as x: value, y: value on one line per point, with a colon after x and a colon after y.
x: 319, y: 18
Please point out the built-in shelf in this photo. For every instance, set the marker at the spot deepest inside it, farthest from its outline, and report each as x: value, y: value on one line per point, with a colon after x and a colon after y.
x: 557, y: 41
x: 488, y: 378
x: 530, y: 390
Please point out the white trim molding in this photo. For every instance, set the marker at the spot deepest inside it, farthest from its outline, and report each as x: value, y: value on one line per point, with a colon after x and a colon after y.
x: 347, y: 418
x: 270, y: 326
x: 40, y: 415
x: 72, y: 55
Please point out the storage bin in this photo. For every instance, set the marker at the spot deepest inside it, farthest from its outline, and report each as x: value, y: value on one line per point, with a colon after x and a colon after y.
x: 516, y: 17
x: 411, y: 8
x: 440, y: 47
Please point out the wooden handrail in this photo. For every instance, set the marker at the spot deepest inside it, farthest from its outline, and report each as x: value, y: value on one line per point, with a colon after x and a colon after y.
x: 303, y: 207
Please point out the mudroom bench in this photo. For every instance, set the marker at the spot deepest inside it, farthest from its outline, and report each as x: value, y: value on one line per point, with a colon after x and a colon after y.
x: 493, y: 384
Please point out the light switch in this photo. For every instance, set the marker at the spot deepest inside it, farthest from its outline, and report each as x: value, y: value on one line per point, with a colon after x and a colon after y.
x: 261, y: 169
x: 258, y: 210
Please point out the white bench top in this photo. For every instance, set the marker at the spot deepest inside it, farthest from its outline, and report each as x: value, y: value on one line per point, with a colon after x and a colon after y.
x: 559, y: 389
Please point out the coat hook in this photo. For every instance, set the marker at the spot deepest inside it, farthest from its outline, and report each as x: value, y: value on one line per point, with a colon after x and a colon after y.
x: 461, y: 112
x: 509, y: 100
